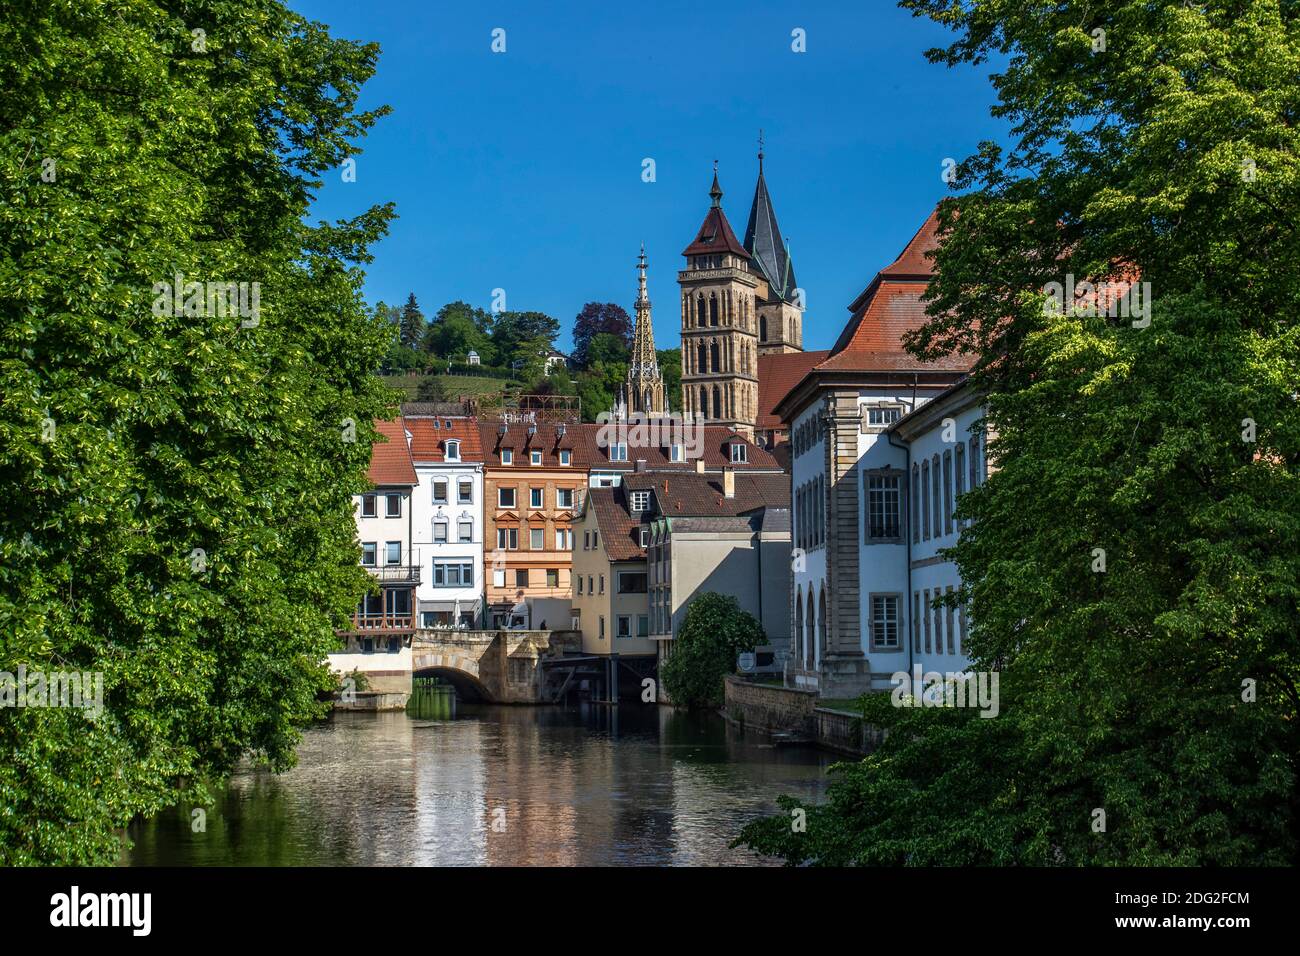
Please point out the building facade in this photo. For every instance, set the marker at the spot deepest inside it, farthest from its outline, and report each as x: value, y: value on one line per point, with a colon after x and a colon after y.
x: 447, y: 510
x: 854, y: 580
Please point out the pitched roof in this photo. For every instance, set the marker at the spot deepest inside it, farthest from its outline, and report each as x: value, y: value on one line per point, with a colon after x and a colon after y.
x: 429, y: 435
x: 765, y: 244
x: 390, y: 461
x: 715, y: 234
x: 778, y: 372
x: 618, y: 527
x: 587, y: 441
x: 696, y: 495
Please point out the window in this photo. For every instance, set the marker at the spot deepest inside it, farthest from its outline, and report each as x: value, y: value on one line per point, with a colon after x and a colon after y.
x: 579, y: 584
x: 631, y: 582
x: 465, y: 530
x: 595, y: 539
x: 882, y: 416
x: 640, y: 501
x: 566, y: 456
x: 642, y: 625
x: 453, y: 451
x: 453, y: 574
x: 601, y: 578
x: 916, y: 504
x: 440, y: 532
x: 393, y: 506
x: 623, y: 625
x: 393, y: 552
x: 521, y: 577
x: 602, y: 627
x: 916, y: 621
x: 883, y: 513
x: 507, y: 539
x: 535, y: 496
x: 440, y: 491
x: 925, y: 500
x: 563, y: 539
x: 535, y: 457
x: 367, y: 506
x: 963, y: 618
x: 498, y: 577
x: 590, y: 587
x: 938, y: 625
x: 935, y: 498
x: 645, y: 537
x: 959, y: 475
x: 564, y: 498
x: 536, y: 538
x: 552, y: 578
x: 739, y: 453
x: 948, y: 615
x: 465, y: 491
x: 618, y: 452
x: 676, y: 453
x: 925, y: 609
x: 974, y: 462
x: 947, y: 492
x: 884, y: 622
x: 505, y: 497
x: 368, y: 553
x: 507, y: 456
x: 586, y: 541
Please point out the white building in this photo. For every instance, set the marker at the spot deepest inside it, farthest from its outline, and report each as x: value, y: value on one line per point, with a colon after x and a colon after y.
x: 447, y: 509
x: 862, y: 569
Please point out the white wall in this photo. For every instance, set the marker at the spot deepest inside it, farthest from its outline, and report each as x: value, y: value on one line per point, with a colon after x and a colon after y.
x: 426, y: 513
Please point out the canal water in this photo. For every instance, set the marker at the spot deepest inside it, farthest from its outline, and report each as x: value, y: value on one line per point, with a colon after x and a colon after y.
x: 497, y: 786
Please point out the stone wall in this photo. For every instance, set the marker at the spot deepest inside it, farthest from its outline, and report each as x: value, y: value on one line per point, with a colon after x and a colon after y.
x: 845, y: 732
x: 786, y: 710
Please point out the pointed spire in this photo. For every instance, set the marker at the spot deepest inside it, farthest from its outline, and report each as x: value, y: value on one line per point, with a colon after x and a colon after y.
x: 760, y: 151
x: 716, y: 191
x: 644, y: 385
x: 763, y: 240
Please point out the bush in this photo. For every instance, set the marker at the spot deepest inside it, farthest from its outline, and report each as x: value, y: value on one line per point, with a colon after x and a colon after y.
x: 705, y: 649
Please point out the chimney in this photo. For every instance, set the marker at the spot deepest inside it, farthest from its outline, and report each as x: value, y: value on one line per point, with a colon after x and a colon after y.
x: 699, y: 466
x: 640, y: 464
x: 729, y: 482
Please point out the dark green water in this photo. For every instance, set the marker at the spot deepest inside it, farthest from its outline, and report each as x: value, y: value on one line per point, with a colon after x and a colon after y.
x: 496, y: 786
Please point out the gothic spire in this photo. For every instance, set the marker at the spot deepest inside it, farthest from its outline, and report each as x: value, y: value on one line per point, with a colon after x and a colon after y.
x: 644, y: 386
x: 763, y: 240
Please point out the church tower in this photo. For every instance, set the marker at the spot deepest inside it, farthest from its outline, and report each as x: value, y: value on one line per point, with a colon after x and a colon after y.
x: 721, y: 291
x: 780, y: 313
x: 645, y: 386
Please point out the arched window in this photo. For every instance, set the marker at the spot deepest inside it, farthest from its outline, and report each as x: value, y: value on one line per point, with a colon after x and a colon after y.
x: 798, y: 624
x: 821, y: 618
x: 810, y: 634
x: 713, y: 310
x: 701, y: 359
x: 713, y: 356
x: 762, y: 328
x: 704, y: 402
x: 717, y: 403
x: 453, y: 450
x: 699, y: 310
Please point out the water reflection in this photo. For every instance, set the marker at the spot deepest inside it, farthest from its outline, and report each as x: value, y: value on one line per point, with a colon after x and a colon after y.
x: 497, y: 786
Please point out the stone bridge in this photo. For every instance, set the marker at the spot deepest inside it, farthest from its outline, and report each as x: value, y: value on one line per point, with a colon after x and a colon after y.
x: 502, y: 667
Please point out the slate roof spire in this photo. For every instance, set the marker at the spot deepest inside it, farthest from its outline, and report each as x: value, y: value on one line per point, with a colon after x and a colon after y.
x: 763, y: 240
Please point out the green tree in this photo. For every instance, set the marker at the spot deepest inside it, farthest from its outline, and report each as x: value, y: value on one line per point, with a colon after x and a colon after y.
x: 524, y: 338
x: 178, y: 482
x: 670, y: 369
x: 599, y: 318
x: 1161, y: 690
x: 714, y: 632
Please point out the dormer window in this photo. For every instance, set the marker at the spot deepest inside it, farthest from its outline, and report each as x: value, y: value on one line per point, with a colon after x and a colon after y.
x: 739, y: 454
x: 507, y: 456
x: 640, y: 501
x: 534, y: 457
x: 676, y: 453
x: 453, y: 451
x: 566, y: 456
x: 618, y: 452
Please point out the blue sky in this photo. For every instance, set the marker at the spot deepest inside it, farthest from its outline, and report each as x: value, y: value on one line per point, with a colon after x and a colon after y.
x: 522, y: 170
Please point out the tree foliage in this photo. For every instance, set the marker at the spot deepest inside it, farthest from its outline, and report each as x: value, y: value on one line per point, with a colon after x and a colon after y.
x: 714, y: 632
x: 177, y: 511
x: 597, y: 318
x: 1163, y: 690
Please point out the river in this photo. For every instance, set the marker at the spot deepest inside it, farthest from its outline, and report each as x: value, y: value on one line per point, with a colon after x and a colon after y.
x: 584, y: 785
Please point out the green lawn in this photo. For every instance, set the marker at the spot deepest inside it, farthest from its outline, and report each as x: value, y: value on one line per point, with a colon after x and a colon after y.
x: 456, y: 385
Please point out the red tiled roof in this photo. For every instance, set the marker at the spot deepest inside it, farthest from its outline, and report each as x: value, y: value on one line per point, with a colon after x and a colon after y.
x: 702, y: 495
x: 619, y: 530
x: 429, y: 437
x: 912, y: 261
x: 586, y: 442
x: 777, y: 374
x: 715, y: 236
x: 390, y: 461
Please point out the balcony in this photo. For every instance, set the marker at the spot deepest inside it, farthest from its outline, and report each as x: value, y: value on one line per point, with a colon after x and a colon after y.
x: 380, y: 623
x: 406, y: 570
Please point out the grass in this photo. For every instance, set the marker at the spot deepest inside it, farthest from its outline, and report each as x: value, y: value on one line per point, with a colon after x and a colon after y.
x: 456, y: 385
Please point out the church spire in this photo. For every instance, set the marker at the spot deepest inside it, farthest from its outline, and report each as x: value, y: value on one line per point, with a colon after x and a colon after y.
x: 715, y: 191
x: 763, y: 240
x: 645, y: 386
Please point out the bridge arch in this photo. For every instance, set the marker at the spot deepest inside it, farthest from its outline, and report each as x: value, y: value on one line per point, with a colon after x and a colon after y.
x: 459, y: 669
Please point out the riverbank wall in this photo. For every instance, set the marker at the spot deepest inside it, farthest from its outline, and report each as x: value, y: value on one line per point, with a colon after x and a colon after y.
x: 793, y: 714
